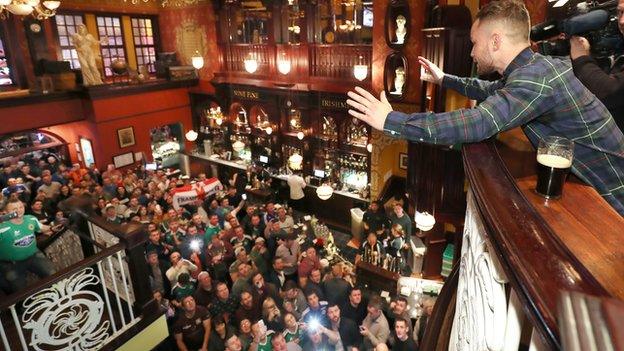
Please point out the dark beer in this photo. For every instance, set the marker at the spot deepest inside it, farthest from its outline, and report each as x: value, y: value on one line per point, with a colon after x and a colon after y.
x: 552, y: 171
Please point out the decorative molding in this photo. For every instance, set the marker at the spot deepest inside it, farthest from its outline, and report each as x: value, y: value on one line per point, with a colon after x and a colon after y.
x: 180, y: 3
x: 379, y: 141
x: 481, y: 308
x: 67, y: 315
x: 191, y: 37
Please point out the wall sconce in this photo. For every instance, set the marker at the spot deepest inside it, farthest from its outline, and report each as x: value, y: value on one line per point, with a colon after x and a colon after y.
x: 191, y: 135
x: 360, y: 71
x: 251, y: 65
x: 197, y: 60
x: 324, y: 191
x: 424, y: 221
x: 369, y: 147
x: 295, y: 161
x: 283, y: 64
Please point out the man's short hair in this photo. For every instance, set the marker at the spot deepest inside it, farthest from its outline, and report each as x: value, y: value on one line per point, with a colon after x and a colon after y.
x: 310, y: 292
x: 375, y: 302
x: 513, y: 13
x: 400, y: 319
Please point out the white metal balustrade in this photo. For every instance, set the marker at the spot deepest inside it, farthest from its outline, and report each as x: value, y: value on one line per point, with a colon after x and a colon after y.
x: 84, y: 307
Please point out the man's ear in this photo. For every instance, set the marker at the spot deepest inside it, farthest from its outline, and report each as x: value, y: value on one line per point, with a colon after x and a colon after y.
x: 496, y: 41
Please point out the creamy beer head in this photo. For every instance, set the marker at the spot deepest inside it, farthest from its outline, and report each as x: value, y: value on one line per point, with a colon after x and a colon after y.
x: 554, y: 161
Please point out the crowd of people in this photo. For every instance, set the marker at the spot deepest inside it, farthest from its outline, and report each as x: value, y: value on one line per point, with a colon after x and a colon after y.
x: 229, y: 274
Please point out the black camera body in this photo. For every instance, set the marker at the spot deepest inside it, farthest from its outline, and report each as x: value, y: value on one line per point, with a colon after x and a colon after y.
x: 595, y: 21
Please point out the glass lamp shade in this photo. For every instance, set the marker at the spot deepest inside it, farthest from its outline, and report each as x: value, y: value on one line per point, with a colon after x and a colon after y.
x: 52, y: 5
x: 197, y: 60
x: 295, y: 161
x: 324, y: 192
x: 283, y: 66
x: 20, y: 9
x: 369, y: 147
x: 424, y: 221
x: 4, y: 2
x: 238, y: 146
x: 32, y: 3
x: 191, y: 135
x: 251, y: 65
x: 219, y: 121
x: 300, y: 135
x: 269, y: 130
x: 360, y: 72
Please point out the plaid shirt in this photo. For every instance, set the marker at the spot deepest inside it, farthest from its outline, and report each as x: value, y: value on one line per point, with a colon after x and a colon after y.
x: 542, y: 95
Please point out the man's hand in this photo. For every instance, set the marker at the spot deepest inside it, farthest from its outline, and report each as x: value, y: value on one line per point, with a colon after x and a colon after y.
x: 368, y: 108
x: 364, y: 331
x: 579, y: 46
x: 431, y: 72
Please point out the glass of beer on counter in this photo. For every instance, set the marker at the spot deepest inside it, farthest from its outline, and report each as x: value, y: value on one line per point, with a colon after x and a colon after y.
x: 554, y: 159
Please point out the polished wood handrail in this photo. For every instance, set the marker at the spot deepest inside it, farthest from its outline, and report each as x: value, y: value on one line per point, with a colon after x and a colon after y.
x: 47, y: 281
x: 535, y: 261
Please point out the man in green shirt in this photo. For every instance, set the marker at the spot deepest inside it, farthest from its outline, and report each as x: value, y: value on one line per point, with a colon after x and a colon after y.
x: 18, y: 248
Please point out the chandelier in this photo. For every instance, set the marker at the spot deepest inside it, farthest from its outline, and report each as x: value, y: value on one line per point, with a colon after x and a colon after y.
x: 39, y: 9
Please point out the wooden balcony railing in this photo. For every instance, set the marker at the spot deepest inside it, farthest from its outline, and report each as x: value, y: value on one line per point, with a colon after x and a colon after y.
x: 337, y: 61
x: 519, y: 254
x: 313, y: 66
x: 88, y: 305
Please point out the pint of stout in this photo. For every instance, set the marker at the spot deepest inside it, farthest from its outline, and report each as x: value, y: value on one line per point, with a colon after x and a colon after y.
x: 554, y: 159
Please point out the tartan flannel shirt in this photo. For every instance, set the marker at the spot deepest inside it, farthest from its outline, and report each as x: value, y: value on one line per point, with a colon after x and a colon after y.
x: 541, y: 94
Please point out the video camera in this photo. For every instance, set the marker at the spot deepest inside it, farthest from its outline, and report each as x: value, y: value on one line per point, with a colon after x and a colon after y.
x: 591, y: 19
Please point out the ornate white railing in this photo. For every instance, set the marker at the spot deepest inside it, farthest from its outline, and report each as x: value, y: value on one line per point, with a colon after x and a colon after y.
x: 486, y: 318
x: 83, y: 307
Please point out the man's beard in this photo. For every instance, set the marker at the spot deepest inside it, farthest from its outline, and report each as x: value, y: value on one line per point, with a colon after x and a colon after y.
x: 485, y: 66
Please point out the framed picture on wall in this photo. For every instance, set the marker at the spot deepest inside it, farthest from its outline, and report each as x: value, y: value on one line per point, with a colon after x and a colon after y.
x: 125, y: 136
x: 123, y: 160
x: 87, y: 151
x: 402, y: 161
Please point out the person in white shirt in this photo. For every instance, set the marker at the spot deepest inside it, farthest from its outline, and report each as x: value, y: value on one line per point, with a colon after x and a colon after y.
x: 296, y: 184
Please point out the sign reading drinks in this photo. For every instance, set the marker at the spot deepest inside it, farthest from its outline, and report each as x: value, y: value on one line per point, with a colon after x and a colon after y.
x: 246, y: 94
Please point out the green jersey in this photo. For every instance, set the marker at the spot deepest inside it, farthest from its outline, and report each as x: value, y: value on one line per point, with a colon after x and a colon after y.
x: 266, y: 346
x: 17, y: 241
x: 210, y: 232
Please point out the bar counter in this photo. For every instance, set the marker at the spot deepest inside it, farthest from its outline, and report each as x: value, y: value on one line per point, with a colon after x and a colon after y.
x: 335, y: 211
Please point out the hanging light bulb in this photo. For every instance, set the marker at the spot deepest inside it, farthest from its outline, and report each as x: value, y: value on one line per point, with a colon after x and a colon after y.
x: 52, y: 5
x: 238, y: 146
x: 283, y: 64
x: 300, y: 135
x: 360, y: 71
x: 424, y: 221
x: 197, y: 60
x: 295, y: 161
x: 251, y: 65
x: 269, y: 130
x: 324, y: 191
x: 219, y: 121
x: 191, y: 135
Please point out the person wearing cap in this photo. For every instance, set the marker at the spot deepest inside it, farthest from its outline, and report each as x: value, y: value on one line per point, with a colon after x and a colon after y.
x: 260, y: 256
x: 241, y: 257
x: 205, y: 291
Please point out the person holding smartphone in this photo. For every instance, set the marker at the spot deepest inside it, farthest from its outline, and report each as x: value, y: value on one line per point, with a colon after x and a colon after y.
x: 18, y: 247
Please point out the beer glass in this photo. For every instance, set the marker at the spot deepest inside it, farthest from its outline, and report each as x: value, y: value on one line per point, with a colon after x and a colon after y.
x: 554, y: 159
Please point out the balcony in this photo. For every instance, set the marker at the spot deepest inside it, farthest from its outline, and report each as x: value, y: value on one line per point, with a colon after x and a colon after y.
x: 98, y: 299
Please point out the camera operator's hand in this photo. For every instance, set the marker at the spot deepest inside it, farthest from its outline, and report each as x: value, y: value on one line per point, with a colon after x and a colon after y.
x: 579, y: 46
x: 432, y: 73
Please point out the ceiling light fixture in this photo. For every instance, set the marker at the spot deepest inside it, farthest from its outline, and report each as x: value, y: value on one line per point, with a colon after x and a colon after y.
x: 39, y: 10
